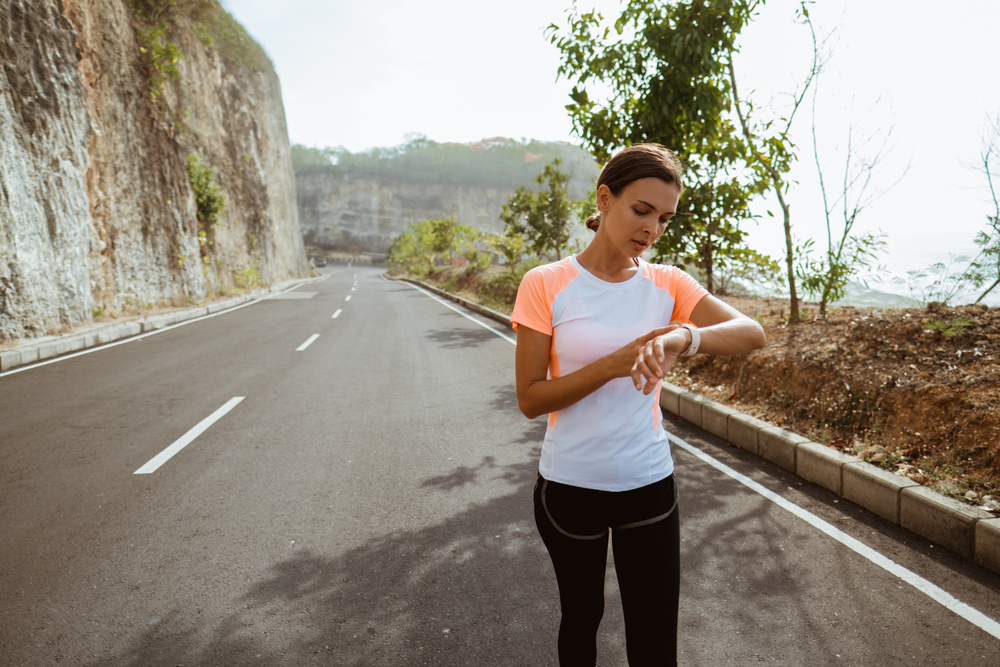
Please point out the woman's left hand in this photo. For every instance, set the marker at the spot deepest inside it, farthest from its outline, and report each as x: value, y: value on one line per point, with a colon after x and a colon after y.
x: 657, y: 357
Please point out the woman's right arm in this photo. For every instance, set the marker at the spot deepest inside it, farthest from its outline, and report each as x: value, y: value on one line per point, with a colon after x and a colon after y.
x: 539, y: 395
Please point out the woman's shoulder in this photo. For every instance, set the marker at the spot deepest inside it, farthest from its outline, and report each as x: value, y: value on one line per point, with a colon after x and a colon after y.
x: 661, y: 271
x: 669, y: 277
x: 561, y: 271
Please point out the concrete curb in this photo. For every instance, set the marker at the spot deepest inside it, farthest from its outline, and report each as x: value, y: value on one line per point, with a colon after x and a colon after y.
x: 969, y: 532
x: 31, y: 352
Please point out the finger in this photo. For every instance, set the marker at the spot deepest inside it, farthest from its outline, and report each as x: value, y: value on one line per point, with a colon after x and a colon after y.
x: 641, y: 373
x: 668, y: 362
x: 657, y: 332
x: 659, y: 345
x: 636, y: 375
x: 652, y: 354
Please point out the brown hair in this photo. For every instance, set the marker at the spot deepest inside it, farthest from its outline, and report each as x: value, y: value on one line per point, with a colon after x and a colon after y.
x: 633, y: 163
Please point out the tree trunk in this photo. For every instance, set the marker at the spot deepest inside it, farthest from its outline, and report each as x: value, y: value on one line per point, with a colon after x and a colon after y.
x: 709, y: 252
x: 793, y: 306
x: 988, y: 289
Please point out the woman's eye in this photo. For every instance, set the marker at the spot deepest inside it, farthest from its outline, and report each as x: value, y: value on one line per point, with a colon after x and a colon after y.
x: 639, y: 212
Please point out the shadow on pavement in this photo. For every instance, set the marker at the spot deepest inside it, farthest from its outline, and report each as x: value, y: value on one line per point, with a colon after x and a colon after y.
x: 457, y: 337
x: 478, y: 589
x: 475, y: 589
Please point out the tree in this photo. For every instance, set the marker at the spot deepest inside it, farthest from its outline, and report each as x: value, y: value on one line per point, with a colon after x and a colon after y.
x: 405, y: 255
x: 438, y: 239
x: 308, y: 156
x: 666, y: 70
x: 707, y: 234
x: 848, y: 256
x: 542, y: 218
x: 509, y: 245
x: 769, y: 153
x: 428, y: 241
x: 986, y: 265
x: 940, y: 282
x: 469, y: 245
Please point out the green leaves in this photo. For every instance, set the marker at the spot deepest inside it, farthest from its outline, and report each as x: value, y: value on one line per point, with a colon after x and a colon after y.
x: 580, y: 96
x: 665, y: 68
x: 509, y: 245
x: 852, y: 259
x: 951, y: 329
x: 419, y: 250
x: 161, y: 56
x: 542, y: 218
x: 309, y: 156
x: 208, y: 195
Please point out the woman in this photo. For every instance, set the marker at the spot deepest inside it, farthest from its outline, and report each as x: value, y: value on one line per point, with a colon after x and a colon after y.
x: 594, y: 340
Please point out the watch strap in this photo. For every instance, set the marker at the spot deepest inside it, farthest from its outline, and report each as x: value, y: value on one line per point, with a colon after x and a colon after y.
x: 692, y: 349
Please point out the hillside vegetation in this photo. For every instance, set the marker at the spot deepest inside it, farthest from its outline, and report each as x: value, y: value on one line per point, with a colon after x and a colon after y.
x: 497, y: 162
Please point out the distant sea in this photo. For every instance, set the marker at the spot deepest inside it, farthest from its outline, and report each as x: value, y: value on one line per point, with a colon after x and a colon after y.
x: 869, y: 297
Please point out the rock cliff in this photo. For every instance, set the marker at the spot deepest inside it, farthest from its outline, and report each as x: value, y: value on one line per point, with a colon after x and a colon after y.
x: 97, y: 208
x: 367, y: 199
x: 344, y: 211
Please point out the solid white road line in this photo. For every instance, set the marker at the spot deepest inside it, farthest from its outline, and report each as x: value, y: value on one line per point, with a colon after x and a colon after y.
x: 188, y: 437
x: 337, y: 314
x: 348, y: 298
x: 970, y: 614
x: 307, y: 343
x: 123, y: 341
x: 463, y: 313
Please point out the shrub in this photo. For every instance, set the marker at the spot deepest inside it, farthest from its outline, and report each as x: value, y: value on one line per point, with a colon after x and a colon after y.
x: 210, y: 22
x: 162, y: 58
x: 208, y: 195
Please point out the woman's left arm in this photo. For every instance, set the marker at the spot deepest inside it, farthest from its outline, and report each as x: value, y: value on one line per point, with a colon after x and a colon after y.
x: 723, y: 330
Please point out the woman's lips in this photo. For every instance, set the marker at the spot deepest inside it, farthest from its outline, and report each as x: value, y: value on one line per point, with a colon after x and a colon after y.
x: 639, y: 245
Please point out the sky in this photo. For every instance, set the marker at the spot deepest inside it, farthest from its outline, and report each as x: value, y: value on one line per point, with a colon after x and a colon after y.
x: 919, y: 74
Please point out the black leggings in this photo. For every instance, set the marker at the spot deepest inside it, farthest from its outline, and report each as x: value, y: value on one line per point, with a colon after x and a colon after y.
x: 645, y: 533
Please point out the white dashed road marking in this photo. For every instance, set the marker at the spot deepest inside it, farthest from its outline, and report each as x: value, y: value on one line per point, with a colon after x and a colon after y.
x: 307, y: 343
x: 188, y: 437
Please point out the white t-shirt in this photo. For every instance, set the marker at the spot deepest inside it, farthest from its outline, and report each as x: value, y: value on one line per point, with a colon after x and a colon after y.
x: 611, y: 440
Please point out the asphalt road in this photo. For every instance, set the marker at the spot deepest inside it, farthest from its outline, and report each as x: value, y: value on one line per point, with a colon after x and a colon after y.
x: 368, y: 502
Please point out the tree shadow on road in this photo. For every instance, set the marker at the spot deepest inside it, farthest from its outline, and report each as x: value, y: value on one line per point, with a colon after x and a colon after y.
x: 457, y: 337
x: 477, y: 589
x: 474, y: 589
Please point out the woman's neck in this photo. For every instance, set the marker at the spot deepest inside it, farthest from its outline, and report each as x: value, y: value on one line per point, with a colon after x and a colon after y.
x: 607, y: 263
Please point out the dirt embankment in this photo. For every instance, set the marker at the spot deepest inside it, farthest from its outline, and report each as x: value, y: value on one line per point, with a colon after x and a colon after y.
x: 922, y: 383
x: 919, y: 382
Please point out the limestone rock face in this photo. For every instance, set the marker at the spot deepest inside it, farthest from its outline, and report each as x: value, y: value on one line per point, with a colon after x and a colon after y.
x: 341, y: 210
x: 96, y: 207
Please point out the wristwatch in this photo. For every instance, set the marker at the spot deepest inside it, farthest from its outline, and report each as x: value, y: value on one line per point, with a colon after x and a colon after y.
x: 692, y: 349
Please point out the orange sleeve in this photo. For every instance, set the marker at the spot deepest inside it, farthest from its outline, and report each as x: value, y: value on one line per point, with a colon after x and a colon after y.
x: 533, y: 306
x: 687, y: 292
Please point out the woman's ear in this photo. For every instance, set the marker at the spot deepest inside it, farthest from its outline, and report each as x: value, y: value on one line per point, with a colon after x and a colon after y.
x: 603, y: 198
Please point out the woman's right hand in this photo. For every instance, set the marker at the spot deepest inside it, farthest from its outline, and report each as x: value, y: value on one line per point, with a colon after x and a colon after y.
x: 538, y: 394
x: 622, y: 360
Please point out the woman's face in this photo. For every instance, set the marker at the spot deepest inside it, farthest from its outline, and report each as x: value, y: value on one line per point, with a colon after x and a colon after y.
x: 639, y: 214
